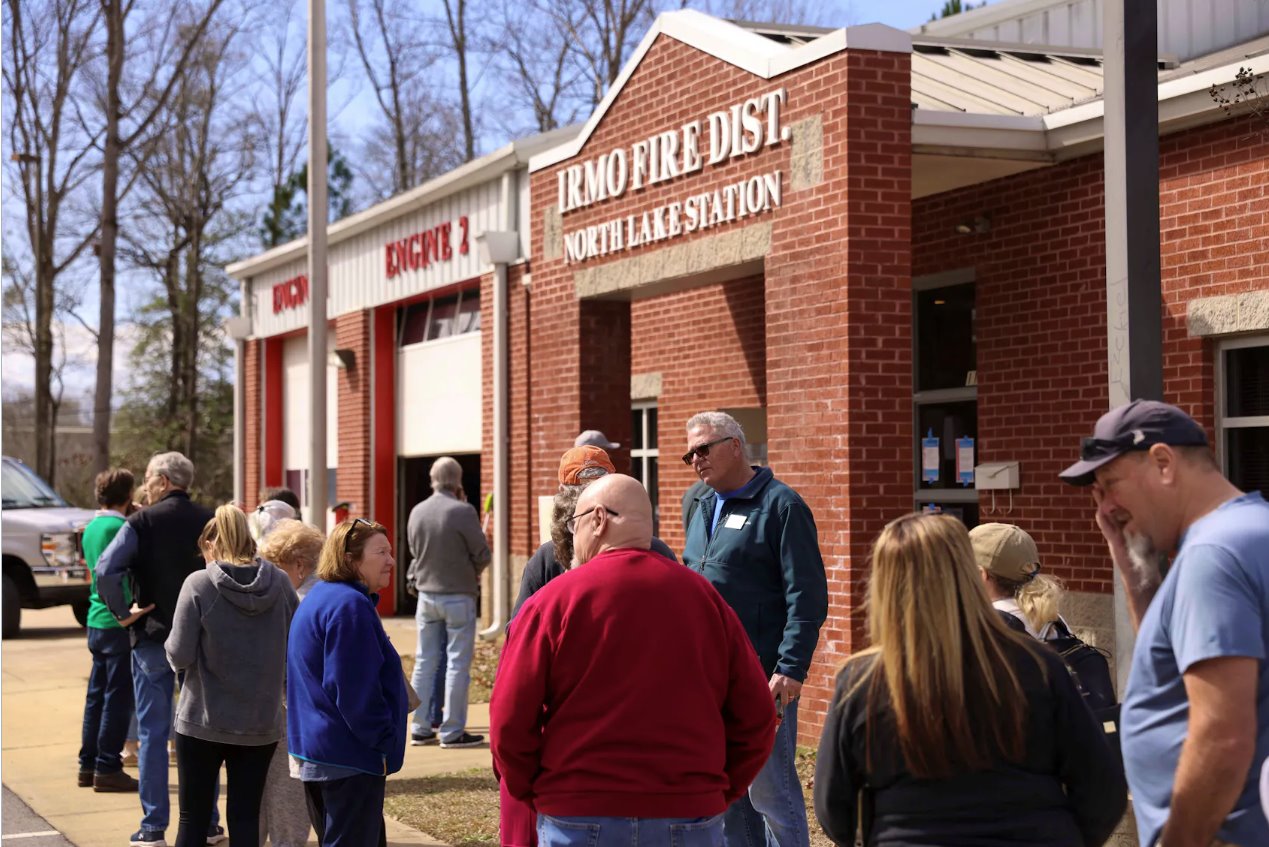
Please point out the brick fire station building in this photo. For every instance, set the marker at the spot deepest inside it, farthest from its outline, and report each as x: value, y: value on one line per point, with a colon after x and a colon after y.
x: 883, y: 251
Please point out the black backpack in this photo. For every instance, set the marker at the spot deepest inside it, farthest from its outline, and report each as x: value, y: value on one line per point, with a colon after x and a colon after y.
x: 1089, y: 666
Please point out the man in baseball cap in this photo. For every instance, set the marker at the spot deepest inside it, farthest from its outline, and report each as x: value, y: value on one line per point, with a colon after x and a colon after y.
x: 1195, y: 720
x: 583, y: 464
x: 595, y: 438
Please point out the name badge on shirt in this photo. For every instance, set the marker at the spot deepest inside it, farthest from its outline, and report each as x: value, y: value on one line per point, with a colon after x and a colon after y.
x: 735, y: 521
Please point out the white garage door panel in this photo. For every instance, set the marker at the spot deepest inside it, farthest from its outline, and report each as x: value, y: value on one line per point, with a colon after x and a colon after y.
x: 296, y: 412
x: 438, y: 386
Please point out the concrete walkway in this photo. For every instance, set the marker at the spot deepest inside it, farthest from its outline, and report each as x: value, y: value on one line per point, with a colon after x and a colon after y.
x: 45, y: 675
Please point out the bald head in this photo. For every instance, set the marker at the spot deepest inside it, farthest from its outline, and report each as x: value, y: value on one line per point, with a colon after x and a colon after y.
x: 620, y: 516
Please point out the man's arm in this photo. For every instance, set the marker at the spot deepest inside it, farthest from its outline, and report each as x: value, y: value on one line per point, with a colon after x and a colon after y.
x: 112, y: 570
x: 515, y: 709
x: 805, y: 594
x: 1217, y: 752
x: 1140, y: 583
x: 749, y: 717
x: 474, y: 537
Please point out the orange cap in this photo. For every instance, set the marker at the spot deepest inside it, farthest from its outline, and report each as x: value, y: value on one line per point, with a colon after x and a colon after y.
x: 584, y: 463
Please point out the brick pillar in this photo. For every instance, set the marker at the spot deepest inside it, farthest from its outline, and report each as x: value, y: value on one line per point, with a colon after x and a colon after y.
x: 604, y: 374
x: 839, y: 363
x: 253, y: 444
x: 352, y: 332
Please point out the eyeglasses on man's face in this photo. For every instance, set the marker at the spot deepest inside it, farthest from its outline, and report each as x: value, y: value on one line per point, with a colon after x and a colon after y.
x: 702, y: 450
x: 571, y: 523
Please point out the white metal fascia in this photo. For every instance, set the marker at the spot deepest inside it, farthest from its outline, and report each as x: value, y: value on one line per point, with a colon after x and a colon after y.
x: 985, y: 16
x: 735, y: 45
x: 1179, y: 98
x: 475, y: 172
x: 962, y: 129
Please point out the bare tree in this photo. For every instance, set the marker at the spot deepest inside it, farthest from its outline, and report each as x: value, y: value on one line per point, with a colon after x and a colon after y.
x: 281, y: 119
x: 127, y: 127
x: 394, y: 47
x: 182, y: 214
x: 456, y: 21
x: 49, y: 47
x: 537, y: 60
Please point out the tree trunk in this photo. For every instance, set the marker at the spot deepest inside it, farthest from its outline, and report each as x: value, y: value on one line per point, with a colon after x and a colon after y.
x: 45, y: 420
x: 113, y: 16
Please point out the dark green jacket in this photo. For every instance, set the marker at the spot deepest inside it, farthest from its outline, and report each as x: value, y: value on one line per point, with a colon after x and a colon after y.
x: 768, y: 569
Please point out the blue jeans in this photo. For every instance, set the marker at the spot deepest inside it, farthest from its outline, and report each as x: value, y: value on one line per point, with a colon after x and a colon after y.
x: 446, y: 621
x: 437, y: 714
x: 108, y: 704
x: 153, y: 683
x: 629, y: 832
x: 774, y: 811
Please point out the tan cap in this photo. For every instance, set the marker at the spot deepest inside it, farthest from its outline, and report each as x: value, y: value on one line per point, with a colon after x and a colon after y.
x: 1005, y: 551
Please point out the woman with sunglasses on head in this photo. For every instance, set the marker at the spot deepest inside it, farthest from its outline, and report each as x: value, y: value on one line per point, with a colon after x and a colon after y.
x: 956, y: 729
x: 228, y: 640
x: 346, y: 698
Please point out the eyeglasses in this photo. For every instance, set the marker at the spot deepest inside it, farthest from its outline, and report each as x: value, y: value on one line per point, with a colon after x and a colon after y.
x: 571, y: 523
x: 703, y: 450
x: 352, y: 529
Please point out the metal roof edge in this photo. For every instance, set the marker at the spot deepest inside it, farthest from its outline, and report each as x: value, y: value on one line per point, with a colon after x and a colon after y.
x: 491, y: 165
x: 732, y: 43
x: 1171, y: 89
x: 1005, y: 10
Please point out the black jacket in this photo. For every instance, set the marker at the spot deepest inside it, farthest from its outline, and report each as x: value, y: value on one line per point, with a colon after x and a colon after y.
x: 542, y: 568
x: 1067, y: 791
x: 157, y: 548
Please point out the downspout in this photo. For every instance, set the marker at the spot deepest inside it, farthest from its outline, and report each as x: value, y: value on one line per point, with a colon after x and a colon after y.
x: 501, y: 249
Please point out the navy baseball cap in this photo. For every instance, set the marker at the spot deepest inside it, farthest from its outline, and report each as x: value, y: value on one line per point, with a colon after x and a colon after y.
x: 1139, y: 425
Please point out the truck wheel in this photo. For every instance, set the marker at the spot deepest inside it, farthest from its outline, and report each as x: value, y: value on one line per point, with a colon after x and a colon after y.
x: 12, y: 610
x: 81, y: 612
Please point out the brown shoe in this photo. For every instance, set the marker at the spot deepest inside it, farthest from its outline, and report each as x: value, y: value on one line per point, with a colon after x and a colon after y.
x: 129, y: 760
x: 114, y: 782
x: 85, y: 779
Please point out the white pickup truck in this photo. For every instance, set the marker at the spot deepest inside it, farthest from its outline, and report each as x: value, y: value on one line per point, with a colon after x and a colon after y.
x: 43, y: 563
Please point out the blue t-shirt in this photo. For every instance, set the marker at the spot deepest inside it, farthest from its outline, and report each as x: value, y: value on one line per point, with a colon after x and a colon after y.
x: 745, y: 490
x: 1214, y: 602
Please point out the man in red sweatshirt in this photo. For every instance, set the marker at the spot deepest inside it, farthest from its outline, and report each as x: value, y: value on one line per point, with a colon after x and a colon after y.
x: 630, y: 706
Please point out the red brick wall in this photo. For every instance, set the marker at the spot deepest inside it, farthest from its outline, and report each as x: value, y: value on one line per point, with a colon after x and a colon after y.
x: 252, y: 444
x: 523, y: 522
x: 352, y: 332
x: 836, y: 306
x: 1042, y: 310
x: 1214, y: 226
x: 709, y: 345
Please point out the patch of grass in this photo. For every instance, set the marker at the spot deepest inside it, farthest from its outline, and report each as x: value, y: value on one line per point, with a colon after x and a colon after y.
x: 460, y: 809
x: 484, y: 664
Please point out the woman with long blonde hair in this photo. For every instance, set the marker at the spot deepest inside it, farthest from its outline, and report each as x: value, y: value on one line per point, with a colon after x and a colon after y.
x: 953, y: 728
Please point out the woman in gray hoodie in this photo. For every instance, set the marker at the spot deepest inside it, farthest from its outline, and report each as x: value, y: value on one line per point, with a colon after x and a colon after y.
x: 228, y: 642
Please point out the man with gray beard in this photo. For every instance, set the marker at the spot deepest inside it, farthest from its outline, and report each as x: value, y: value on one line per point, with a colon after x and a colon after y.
x: 1195, y: 720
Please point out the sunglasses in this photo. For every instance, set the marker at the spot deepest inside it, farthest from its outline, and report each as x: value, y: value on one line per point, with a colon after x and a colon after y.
x: 353, y: 529
x: 703, y: 450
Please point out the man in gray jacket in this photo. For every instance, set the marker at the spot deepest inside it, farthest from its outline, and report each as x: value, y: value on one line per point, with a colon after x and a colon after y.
x: 450, y: 551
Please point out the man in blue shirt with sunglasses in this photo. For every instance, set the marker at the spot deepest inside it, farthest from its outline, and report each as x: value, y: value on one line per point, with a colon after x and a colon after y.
x: 754, y: 539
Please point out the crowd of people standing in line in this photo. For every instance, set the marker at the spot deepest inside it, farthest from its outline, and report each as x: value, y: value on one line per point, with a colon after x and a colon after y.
x: 643, y: 700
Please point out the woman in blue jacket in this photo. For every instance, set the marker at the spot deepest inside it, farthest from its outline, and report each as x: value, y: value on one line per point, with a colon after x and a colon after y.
x: 346, y: 698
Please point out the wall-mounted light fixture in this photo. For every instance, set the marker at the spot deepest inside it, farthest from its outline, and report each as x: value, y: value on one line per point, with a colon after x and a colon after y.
x: 344, y: 358
x: 979, y: 225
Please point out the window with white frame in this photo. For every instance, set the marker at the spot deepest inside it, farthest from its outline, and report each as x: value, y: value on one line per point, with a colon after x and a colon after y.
x: 1242, y: 406
x: 644, y: 453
